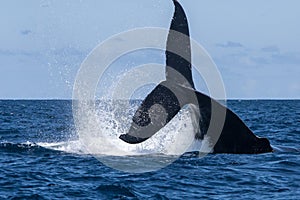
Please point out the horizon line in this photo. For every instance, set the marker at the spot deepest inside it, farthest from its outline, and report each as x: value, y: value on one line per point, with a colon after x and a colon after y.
x: 70, y: 99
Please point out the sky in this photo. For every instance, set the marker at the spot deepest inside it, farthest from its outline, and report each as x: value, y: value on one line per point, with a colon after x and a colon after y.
x: 255, y: 44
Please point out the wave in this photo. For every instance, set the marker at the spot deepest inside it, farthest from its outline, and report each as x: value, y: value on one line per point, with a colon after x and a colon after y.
x: 74, y: 147
x: 283, y: 149
x: 26, y: 147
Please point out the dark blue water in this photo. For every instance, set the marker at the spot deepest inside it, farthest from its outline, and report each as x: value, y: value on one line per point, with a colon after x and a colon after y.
x: 30, y: 171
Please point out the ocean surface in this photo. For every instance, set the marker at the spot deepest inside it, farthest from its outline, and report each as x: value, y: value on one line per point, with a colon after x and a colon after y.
x: 42, y: 158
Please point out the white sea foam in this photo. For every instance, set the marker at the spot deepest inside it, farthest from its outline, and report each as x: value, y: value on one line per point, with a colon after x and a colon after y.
x: 100, y: 131
x: 74, y: 146
x: 100, y: 135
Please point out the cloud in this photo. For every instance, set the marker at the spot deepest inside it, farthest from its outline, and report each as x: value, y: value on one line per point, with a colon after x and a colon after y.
x: 273, y: 55
x: 266, y: 55
x: 275, y: 58
x: 230, y: 44
x: 45, y: 5
x: 25, y: 32
x: 286, y: 58
x: 270, y: 49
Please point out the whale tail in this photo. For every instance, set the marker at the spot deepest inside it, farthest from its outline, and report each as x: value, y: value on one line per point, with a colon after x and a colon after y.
x: 167, y: 98
x: 162, y: 104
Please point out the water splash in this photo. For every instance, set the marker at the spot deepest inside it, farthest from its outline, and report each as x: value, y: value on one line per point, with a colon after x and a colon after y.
x: 99, y: 131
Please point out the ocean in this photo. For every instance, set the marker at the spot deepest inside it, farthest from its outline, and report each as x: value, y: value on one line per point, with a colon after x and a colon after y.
x: 42, y: 158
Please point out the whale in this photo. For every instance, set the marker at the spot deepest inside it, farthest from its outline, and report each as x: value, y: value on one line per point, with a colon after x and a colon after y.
x: 178, y: 90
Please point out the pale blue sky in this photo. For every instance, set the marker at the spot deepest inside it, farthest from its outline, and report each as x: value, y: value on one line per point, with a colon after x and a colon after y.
x: 255, y: 44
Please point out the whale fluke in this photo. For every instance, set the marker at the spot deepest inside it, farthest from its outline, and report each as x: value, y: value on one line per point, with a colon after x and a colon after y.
x: 161, y: 105
x: 167, y: 98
